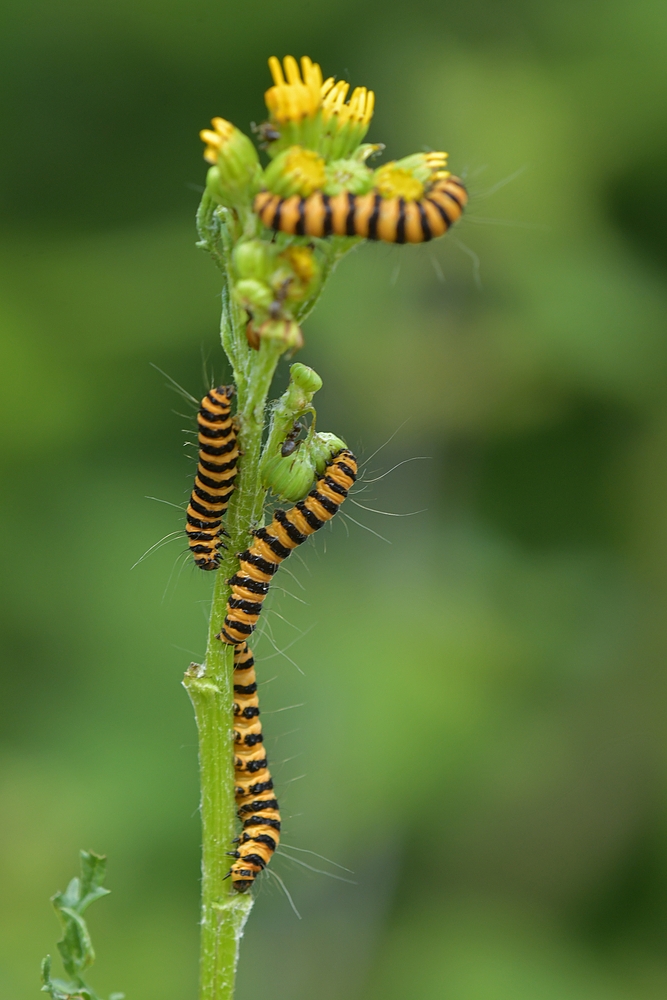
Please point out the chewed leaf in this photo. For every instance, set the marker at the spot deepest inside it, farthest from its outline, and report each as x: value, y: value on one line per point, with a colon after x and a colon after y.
x: 75, y: 946
x: 93, y: 870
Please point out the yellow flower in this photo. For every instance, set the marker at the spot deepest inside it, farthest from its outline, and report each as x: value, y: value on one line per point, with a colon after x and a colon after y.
x: 295, y: 171
x: 224, y: 130
x: 302, y: 262
x: 408, y: 178
x: 358, y: 110
x: 293, y: 98
x: 307, y: 111
x: 235, y: 174
x: 395, y: 182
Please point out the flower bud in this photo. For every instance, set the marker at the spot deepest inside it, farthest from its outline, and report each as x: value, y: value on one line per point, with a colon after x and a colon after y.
x: 253, y: 295
x: 348, y: 175
x: 303, y: 384
x: 408, y: 178
x: 295, y: 171
x: 323, y: 447
x: 299, y: 273
x: 305, y: 378
x: 236, y: 174
x: 290, y: 478
x: 253, y: 259
x: 284, y: 331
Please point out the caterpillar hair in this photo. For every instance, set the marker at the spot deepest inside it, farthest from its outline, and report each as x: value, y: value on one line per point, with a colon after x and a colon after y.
x: 393, y: 220
x: 274, y: 543
x: 214, y: 482
x: 257, y: 805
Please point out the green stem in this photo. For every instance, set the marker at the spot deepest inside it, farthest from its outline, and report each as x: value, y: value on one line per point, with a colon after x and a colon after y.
x: 210, y: 686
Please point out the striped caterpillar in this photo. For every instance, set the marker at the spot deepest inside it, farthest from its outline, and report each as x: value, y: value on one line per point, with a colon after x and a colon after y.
x: 257, y: 806
x: 214, y: 482
x: 272, y: 544
x: 394, y: 220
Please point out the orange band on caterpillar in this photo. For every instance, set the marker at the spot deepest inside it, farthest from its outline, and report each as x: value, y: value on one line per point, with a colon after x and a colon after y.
x: 393, y: 220
x: 272, y: 544
x: 214, y: 482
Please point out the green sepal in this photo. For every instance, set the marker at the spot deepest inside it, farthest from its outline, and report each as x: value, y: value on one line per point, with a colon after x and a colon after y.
x: 323, y: 447
x: 306, y: 133
x: 348, y: 175
x: 341, y: 141
x: 368, y: 150
x: 290, y: 478
x: 253, y: 295
x: 237, y: 177
x: 415, y: 164
x: 254, y: 259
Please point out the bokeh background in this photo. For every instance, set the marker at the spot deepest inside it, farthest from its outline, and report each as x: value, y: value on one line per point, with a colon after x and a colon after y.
x: 481, y: 737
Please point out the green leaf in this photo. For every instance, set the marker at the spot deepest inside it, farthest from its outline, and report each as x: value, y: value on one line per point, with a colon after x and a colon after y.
x: 75, y: 946
x: 93, y: 870
x: 91, y: 897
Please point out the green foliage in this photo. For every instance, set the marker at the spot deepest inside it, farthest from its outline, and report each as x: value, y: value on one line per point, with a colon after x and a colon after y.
x: 75, y: 946
x: 536, y: 580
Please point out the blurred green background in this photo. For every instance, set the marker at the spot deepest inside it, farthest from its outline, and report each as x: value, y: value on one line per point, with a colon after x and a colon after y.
x: 482, y: 731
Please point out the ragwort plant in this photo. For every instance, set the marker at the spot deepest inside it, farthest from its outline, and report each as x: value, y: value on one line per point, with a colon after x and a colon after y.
x: 276, y: 234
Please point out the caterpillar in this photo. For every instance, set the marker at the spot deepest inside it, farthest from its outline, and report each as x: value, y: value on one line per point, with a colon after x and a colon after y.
x: 393, y: 220
x: 214, y: 482
x: 257, y: 806
x: 272, y: 544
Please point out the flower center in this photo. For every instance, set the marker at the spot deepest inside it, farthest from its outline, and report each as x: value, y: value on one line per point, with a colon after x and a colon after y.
x: 305, y: 169
x: 302, y: 263
x: 396, y: 182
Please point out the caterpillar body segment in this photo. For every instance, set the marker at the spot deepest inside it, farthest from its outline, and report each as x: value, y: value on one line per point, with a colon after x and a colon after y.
x: 272, y: 544
x: 214, y: 481
x: 394, y: 220
x: 257, y: 805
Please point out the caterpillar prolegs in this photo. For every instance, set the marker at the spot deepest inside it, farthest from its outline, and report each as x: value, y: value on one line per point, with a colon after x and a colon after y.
x: 272, y: 544
x: 257, y: 805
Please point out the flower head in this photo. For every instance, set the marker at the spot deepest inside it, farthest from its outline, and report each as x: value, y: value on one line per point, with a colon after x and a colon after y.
x: 345, y: 124
x: 307, y: 111
x: 408, y: 178
x: 292, y: 98
x: 235, y: 174
x: 295, y: 171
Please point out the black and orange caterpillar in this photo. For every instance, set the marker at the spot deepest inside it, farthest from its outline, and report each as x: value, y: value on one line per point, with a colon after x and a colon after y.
x: 214, y: 482
x: 394, y: 220
x: 257, y: 806
x: 276, y: 541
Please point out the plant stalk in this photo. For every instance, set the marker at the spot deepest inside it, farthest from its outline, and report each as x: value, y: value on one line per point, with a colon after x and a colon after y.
x: 210, y: 686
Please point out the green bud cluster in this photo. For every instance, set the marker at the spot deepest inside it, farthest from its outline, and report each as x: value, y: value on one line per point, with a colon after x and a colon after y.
x: 270, y: 282
x: 290, y: 466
